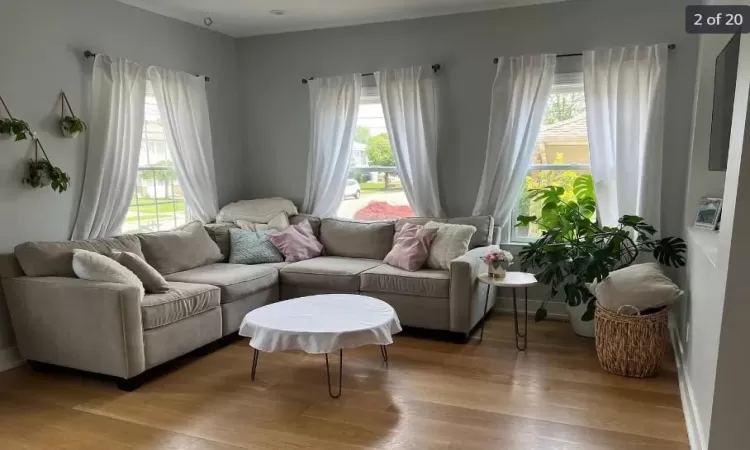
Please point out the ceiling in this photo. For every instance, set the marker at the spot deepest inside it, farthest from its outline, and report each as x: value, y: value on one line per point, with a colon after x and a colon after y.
x: 241, y: 18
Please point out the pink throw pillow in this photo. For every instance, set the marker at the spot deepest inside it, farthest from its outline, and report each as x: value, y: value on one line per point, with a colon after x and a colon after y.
x: 411, y: 247
x: 297, y: 243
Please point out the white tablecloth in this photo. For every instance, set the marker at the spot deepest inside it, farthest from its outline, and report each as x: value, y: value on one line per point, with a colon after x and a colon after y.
x: 321, y: 324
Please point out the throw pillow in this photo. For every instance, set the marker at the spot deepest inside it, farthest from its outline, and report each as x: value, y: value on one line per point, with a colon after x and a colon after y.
x: 96, y: 267
x: 279, y: 223
x: 183, y: 248
x: 297, y: 243
x: 411, y: 247
x: 152, y: 280
x: 451, y: 241
x: 252, y: 247
x: 641, y: 285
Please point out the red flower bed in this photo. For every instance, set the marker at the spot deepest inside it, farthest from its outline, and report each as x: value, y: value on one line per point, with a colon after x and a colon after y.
x: 383, y: 210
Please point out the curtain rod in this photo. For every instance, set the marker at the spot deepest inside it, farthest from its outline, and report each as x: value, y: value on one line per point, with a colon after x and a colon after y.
x: 566, y: 55
x: 435, y: 68
x: 89, y: 54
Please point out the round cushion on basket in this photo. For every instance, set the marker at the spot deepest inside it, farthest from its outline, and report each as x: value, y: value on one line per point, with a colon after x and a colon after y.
x: 643, y: 286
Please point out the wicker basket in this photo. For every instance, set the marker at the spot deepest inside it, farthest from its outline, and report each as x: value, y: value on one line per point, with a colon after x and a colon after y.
x: 631, y: 345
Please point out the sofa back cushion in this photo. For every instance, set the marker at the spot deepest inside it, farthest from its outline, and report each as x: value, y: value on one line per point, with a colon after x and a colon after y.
x: 485, y: 226
x: 180, y: 249
x: 219, y: 233
x: 355, y: 239
x: 314, y: 222
x: 55, y: 259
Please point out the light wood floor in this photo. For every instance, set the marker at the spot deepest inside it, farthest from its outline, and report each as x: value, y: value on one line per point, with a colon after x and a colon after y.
x: 434, y: 395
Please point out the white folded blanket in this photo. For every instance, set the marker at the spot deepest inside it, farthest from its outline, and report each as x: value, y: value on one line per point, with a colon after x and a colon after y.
x: 260, y: 210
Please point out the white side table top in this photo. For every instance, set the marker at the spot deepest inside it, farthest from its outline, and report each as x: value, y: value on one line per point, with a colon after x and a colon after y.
x: 321, y: 323
x: 512, y: 280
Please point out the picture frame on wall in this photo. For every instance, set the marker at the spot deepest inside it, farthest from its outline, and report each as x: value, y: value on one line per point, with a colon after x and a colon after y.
x: 709, y: 212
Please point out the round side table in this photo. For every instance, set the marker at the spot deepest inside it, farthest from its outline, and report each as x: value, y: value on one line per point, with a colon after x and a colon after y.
x: 512, y: 280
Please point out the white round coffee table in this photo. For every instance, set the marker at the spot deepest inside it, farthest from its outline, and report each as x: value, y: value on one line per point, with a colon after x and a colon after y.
x: 321, y: 324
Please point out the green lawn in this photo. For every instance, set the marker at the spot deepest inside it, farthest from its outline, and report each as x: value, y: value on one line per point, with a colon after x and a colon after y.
x: 148, y: 208
x: 379, y: 186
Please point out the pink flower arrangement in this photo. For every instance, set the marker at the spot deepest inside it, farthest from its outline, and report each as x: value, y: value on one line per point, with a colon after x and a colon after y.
x: 498, y: 258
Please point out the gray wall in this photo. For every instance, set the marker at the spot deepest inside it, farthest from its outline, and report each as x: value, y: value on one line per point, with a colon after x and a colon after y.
x: 43, y: 41
x: 698, y: 316
x: 276, y: 103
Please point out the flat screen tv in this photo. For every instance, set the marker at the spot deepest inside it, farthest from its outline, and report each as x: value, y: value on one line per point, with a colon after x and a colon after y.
x: 725, y: 79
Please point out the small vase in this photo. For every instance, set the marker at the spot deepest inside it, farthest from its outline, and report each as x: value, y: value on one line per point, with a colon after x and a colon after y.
x: 496, y: 272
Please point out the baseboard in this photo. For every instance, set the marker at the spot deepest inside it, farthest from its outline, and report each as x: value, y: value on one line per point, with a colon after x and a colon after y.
x: 9, y: 358
x: 695, y: 434
x: 555, y: 310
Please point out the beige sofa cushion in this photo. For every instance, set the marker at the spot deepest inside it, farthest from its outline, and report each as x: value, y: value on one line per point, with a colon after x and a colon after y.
x: 180, y: 249
x: 328, y: 272
x: 55, y: 259
x: 485, y: 226
x: 219, y: 233
x: 451, y: 242
x: 153, y: 281
x: 354, y: 239
x: 314, y: 222
x: 236, y: 281
x: 423, y: 283
x: 183, y: 300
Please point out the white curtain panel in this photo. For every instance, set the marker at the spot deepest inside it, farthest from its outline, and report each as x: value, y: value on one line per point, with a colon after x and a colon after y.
x: 183, y: 105
x: 519, y: 96
x: 118, y: 95
x: 409, y: 99
x: 625, y: 89
x: 334, y: 104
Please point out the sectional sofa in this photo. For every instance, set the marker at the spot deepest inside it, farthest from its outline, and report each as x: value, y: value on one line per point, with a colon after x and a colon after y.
x: 108, y: 328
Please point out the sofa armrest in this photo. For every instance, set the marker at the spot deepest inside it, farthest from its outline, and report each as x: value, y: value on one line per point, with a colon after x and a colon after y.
x: 467, y: 294
x: 86, y: 325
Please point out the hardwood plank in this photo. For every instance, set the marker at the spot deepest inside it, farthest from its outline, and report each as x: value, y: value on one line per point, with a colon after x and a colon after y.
x: 433, y: 395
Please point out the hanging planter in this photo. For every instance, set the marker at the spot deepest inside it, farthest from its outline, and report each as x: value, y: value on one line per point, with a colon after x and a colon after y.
x: 42, y: 173
x: 12, y: 127
x: 70, y: 125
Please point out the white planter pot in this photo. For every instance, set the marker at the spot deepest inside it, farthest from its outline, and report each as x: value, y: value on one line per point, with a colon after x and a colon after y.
x: 66, y: 131
x: 581, y: 328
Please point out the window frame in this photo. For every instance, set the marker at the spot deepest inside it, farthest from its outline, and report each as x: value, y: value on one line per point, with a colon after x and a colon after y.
x: 150, y: 167
x: 563, y: 83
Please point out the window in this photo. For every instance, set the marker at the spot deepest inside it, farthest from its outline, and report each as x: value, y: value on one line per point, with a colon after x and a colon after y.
x: 157, y: 202
x: 373, y: 191
x: 562, y: 148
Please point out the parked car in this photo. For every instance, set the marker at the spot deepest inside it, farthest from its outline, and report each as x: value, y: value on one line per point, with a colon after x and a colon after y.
x: 352, y: 189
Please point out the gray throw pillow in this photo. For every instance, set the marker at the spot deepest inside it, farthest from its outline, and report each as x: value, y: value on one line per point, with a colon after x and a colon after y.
x: 152, y: 280
x: 183, y: 248
x: 252, y: 247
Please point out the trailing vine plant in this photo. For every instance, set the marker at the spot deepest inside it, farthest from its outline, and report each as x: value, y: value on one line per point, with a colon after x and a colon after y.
x: 11, y: 126
x: 70, y: 125
x: 42, y: 173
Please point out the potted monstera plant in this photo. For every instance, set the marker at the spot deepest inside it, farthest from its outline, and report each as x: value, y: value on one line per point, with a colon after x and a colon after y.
x: 574, y: 250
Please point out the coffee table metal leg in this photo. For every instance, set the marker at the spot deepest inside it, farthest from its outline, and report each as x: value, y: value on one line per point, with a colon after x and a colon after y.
x: 256, y: 352
x: 384, y: 353
x: 484, y: 316
x: 525, y: 318
x: 341, y: 374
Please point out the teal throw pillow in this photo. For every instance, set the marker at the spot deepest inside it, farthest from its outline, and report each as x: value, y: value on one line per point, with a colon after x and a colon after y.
x: 252, y: 247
